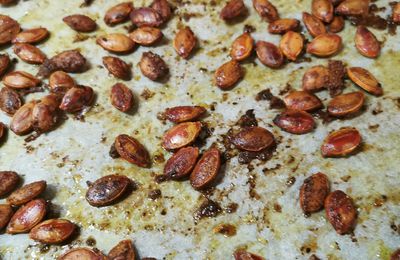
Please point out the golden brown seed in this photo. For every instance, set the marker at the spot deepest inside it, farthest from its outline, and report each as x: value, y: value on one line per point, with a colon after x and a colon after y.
x: 60, y: 82
x: 336, y: 25
x: 206, y: 169
x: 233, y: 9
x: 118, y: 13
x: 353, y: 7
x: 122, y: 251
x: 282, y: 26
x: 52, y: 231
x: 29, y: 53
x: 116, y: 42
x: 146, y: 35
x: 132, y: 151
x: 76, y: 99
x: 163, y: 8
x: 20, y: 80
x: 31, y: 36
x: 121, y: 97
x: 80, y: 23
x: 340, y: 212
x: 364, y: 79
x: 269, y: 54
x: 146, y: 16
x: 253, y: 139
x: 396, y: 13
x: 302, y: 100
x: 325, y: 45
x: 313, y: 193
x: 295, y: 122
x: 26, y: 217
x: 182, y: 114
x: 341, y: 143
x: 346, y: 104
x: 185, y: 41
x: 366, y: 42
x: 22, y: 121
x: 26, y: 193
x: 4, y: 63
x: 8, y: 182
x: 266, y: 10
x: 291, y: 45
x: 82, y: 253
x: 153, y: 66
x: 117, y: 67
x: 228, y: 75
x: 244, y: 255
x: 314, y: 26
x: 181, y: 135
x: 107, y: 190
x: 45, y: 113
x: 9, y: 28
x: 242, y: 47
x: 315, y: 78
x: 181, y: 163
x: 10, y: 101
x: 6, y: 213
x: 323, y: 10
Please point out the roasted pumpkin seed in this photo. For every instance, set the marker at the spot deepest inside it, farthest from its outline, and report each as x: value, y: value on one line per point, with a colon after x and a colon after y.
x: 302, y: 100
x: 45, y: 113
x: 60, y: 82
x: 181, y: 163
x: 153, y: 66
x: 22, y: 121
x: 9, y: 28
x: 146, y: 35
x: 26, y: 217
x: 323, y: 10
x: 228, y: 74
x: 313, y: 193
x: 269, y: 54
x: 82, y: 253
x: 266, y: 10
x: 146, y: 16
x: 291, y: 45
x: 123, y: 250
x: 118, y: 13
x: 242, y: 47
x: 185, y: 41
x: 325, y: 45
x: 295, y: 122
x: 336, y: 25
x: 8, y: 182
x: 253, y: 139
x: 181, y: 114
x: 366, y: 43
x: 315, y: 78
x: 29, y: 53
x: 346, y: 104
x: 10, y: 101
x: 80, y: 23
x: 364, y: 79
x: 31, y: 36
x: 4, y: 63
x: 6, y: 213
x: 26, y: 193
x: 121, y: 97
x: 20, y: 80
x: 340, y: 212
x: 233, y: 9
x: 181, y: 135
x: 77, y: 98
x: 117, y: 67
x: 353, y: 8
x: 116, y: 42
x: 206, y: 169
x: 282, y: 26
x: 244, y: 255
x: 342, y: 142
x: 163, y: 8
x: 132, y: 151
x: 314, y: 26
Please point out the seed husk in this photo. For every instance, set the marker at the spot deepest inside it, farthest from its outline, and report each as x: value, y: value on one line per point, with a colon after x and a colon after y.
x: 182, y: 114
x: 153, y: 66
x: 282, y: 26
x: 184, y: 42
x: 10, y: 101
x: 29, y: 53
x: 291, y: 45
x: 181, y: 163
x: 117, y: 67
x: 315, y: 78
x: 27, y: 193
x: 346, y: 104
x: 228, y: 74
x: 341, y: 143
x: 31, y: 36
x: 20, y: 80
x: 80, y: 23
x: 365, y: 80
x: 146, y: 35
x: 132, y: 151
x: 340, y: 212
x: 366, y: 43
x: 242, y: 47
x: 295, y: 122
x: 118, y: 13
x: 313, y: 193
x: 266, y: 10
x: 77, y: 98
x: 325, y: 45
x: 121, y: 97
x: 71, y: 61
x: 22, y: 121
x: 26, y: 217
x: 181, y: 135
x: 302, y: 100
x: 60, y: 82
x: 269, y: 54
x: 232, y: 10
x: 353, y: 8
x: 116, y: 42
x: 146, y: 16
x: 253, y: 139
x: 53, y: 231
x: 206, y: 169
x: 323, y: 10
x: 314, y: 26
x: 9, y: 28
x: 45, y: 113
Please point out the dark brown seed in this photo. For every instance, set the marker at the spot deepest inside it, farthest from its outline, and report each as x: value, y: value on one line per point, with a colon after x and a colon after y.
x: 124, y: 250
x: 10, y: 101
x: 366, y: 43
x: 121, y: 97
x: 181, y: 135
x: 52, y: 231
x: 163, y: 8
x: 116, y: 42
x: 26, y: 193
x: 342, y: 142
x: 269, y: 54
x: 68, y: 61
x: 107, y: 190
x: 6, y: 213
x: 20, y: 80
x: 181, y: 114
x: 80, y: 23
x: 228, y: 74
x: 153, y: 66
x: 242, y: 47
x: 314, y: 26
x: 266, y: 10
x: 295, y: 122
x: 45, y: 113
x: 323, y: 10
x: 302, y: 100
x: 82, y: 253
x: 9, y: 28
x: 146, y: 16
x: 22, y: 121
x: 244, y: 255
x: 181, y: 163
x: 315, y: 78
x: 31, y: 36
x: 233, y: 9
x: 8, y: 182
x: 29, y: 53
x: 282, y: 26
x: 117, y: 67
x: 185, y: 41
x: 336, y: 25
x: 313, y: 193
x: 4, y: 63
x: 146, y: 35
x: 253, y: 139
x: 132, y: 151
x: 27, y: 217
x: 60, y: 82
x: 346, y: 104
x: 340, y: 212
x: 77, y: 98
x: 118, y: 13
x: 206, y: 169
x: 396, y: 254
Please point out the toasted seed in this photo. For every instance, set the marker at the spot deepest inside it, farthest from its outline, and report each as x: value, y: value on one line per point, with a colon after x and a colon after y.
x: 181, y: 114
x: 366, y: 42
x: 20, y: 80
x: 181, y: 163
x: 340, y: 212
x: 244, y: 255
x: 295, y: 122
x: 365, y: 80
x: 9, y: 28
x: 123, y: 250
x: 107, y: 190
x: 22, y: 121
x: 396, y: 15
x: 27, y: 217
x: 80, y: 23
x: 253, y: 139
x: 314, y: 26
x: 353, y: 7
x: 242, y: 47
x: 232, y: 10
x: 266, y: 10
x: 118, y: 13
x: 132, y: 151
x: 282, y: 26
x: 325, y: 45
x: 10, y: 101
x: 82, y: 253
x: 146, y: 35
x: 163, y: 8
x: 121, y: 97
x: 228, y: 74
x: 52, y: 231
x: 291, y: 45
x: 8, y: 182
x: 315, y: 78
x: 313, y: 193
x: 346, y: 104
x: 341, y: 142
x: 31, y: 36
x: 68, y: 61
x: 29, y: 53
x: 153, y: 66
x: 26, y: 193
x: 117, y: 67
x: 6, y: 213
x: 77, y: 98
x: 45, y: 113
x: 116, y: 42
x: 146, y: 16
x: 336, y: 25
x: 302, y: 100
x: 323, y: 10
x: 6, y: 2
x: 269, y: 54
x: 395, y: 255
x: 185, y: 41
x: 181, y: 135
x: 206, y: 169
x: 4, y: 63
x: 60, y: 82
